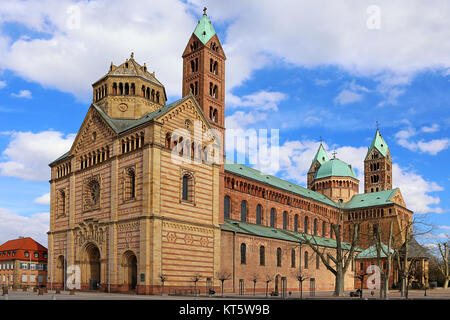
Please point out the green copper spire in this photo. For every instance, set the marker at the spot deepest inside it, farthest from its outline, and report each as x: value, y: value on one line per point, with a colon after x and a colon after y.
x: 204, y: 30
x: 321, y: 155
x: 379, y: 143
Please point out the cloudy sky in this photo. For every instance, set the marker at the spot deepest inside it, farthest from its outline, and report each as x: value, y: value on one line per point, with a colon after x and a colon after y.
x: 308, y: 69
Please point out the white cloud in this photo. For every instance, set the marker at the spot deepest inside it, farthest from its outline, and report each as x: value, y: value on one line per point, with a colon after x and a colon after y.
x: 65, y: 57
x: 44, y: 199
x: 432, y: 147
x: 261, y: 100
x: 28, y: 154
x: 430, y: 129
x: 412, y: 38
x: 347, y: 96
x: 2, y: 84
x: 22, y: 94
x: 13, y: 226
x: 416, y: 191
x: 352, y: 93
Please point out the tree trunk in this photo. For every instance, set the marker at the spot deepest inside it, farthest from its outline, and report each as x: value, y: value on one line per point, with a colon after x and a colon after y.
x: 339, y: 285
x: 446, y: 283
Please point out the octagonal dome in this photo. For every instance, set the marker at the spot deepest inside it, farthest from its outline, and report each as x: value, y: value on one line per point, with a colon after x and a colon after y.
x: 335, y: 168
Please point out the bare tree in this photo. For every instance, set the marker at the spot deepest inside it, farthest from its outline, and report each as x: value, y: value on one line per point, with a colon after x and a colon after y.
x: 269, y: 278
x: 300, y: 276
x: 444, y: 265
x: 255, y: 278
x: 163, y: 278
x: 387, y: 250
x: 401, y: 242
x: 222, y: 276
x: 344, y: 256
x: 195, y: 279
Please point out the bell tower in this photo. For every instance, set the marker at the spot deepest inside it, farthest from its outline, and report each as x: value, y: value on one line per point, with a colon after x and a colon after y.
x: 204, y: 72
x: 378, y: 166
x: 204, y: 77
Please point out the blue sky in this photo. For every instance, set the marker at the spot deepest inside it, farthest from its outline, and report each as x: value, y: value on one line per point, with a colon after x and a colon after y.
x: 308, y: 69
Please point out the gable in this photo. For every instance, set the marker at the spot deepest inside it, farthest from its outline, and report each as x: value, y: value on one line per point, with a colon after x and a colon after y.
x: 93, y: 132
x: 189, y: 117
x: 215, y: 45
x: 398, y: 198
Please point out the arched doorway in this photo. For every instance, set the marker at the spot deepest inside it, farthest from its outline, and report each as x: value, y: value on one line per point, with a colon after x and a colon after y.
x: 277, y: 284
x: 129, y: 265
x: 59, y: 273
x: 93, y: 266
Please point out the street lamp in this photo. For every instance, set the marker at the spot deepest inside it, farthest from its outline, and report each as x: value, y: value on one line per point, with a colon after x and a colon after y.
x: 425, y: 278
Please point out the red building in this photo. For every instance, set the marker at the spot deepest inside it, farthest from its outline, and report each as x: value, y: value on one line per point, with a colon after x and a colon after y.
x: 23, y: 263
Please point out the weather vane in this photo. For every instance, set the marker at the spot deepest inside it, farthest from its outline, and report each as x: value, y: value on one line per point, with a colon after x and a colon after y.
x: 334, y: 154
x: 204, y: 11
x: 377, y: 124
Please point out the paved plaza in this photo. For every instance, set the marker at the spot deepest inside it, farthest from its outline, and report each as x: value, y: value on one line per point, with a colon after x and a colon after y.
x: 434, y: 294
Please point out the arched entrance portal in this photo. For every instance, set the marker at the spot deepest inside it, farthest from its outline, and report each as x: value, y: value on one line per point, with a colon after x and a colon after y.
x: 92, y: 266
x: 129, y: 265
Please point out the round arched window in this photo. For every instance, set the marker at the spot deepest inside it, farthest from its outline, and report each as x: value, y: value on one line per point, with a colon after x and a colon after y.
x: 95, y: 192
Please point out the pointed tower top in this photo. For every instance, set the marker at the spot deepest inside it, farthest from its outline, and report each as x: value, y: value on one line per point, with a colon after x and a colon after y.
x: 204, y: 30
x: 321, y: 155
x: 379, y: 143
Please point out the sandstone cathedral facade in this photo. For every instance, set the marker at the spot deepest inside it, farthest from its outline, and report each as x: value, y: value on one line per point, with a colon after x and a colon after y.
x: 145, y: 197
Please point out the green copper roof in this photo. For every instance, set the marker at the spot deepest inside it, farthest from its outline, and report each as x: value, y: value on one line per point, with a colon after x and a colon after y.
x: 256, y: 175
x: 370, y: 199
x: 204, y: 29
x: 335, y: 168
x: 371, y: 252
x: 379, y: 143
x: 321, y: 155
x: 269, y: 232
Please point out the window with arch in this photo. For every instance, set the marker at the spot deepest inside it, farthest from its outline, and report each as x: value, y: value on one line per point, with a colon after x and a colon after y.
x: 317, y: 261
x: 226, y: 207
x: 243, y: 210
x: 243, y: 253
x: 306, y: 259
x: 285, y: 220
x: 296, y: 223
x: 292, y: 258
x: 130, y: 184
x: 187, y: 187
x: 315, y: 227
x: 306, y: 224
x: 61, y: 203
x: 278, y: 257
x: 272, y: 218
x: 324, y: 230
x: 258, y: 214
x: 331, y: 230
x: 262, y: 256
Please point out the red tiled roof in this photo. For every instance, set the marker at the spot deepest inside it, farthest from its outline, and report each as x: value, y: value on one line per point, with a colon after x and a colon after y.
x: 22, y: 244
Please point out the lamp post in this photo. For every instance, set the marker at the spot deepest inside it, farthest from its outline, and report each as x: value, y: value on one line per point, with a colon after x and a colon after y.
x: 425, y: 278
